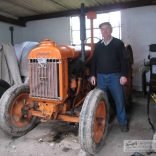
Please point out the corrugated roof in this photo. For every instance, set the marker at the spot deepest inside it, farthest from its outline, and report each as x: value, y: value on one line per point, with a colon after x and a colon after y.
x: 26, y: 10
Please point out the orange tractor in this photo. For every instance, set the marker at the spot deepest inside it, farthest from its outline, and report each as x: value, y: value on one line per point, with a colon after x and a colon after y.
x: 58, y: 85
x: 59, y: 89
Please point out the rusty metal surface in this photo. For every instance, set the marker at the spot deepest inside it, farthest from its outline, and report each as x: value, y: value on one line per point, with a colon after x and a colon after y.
x: 44, y: 79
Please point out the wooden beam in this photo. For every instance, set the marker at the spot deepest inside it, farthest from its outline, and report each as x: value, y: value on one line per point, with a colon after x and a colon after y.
x: 103, y: 8
x: 12, y: 21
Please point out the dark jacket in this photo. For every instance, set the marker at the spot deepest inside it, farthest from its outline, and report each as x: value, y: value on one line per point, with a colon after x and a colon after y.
x: 109, y: 58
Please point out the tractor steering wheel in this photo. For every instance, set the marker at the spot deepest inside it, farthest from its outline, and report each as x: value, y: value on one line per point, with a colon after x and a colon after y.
x: 89, y: 44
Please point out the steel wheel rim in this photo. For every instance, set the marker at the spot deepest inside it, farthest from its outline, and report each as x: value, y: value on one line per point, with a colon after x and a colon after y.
x: 99, y: 122
x: 17, y: 118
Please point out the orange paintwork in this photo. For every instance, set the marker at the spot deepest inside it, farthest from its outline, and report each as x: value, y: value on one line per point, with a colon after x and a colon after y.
x: 50, y: 108
x: 49, y: 50
x: 46, y: 110
x: 68, y: 118
x: 63, y: 79
x: 99, y: 122
x: 45, y: 100
x: 16, y: 111
x: 91, y: 15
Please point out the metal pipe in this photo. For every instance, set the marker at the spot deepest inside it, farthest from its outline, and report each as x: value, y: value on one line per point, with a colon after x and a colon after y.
x: 92, y: 34
x: 82, y: 31
x: 91, y: 15
x: 12, y: 34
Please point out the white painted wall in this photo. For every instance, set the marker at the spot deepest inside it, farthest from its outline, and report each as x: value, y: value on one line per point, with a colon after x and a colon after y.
x: 139, y: 29
x: 57, y: 29
x: 5, y: 35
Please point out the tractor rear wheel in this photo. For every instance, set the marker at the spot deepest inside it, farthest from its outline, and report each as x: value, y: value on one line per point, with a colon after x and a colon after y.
x: 12, y: 120
x: 93, y: 124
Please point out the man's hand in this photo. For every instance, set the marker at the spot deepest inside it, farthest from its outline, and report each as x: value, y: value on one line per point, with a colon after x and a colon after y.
x: 93, y: 80
x: 123, y: 80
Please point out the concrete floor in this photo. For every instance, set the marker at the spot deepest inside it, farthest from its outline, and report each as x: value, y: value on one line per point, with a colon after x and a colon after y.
x: 44, y: 141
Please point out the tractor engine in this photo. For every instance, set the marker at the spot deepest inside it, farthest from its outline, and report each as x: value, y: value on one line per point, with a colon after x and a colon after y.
x: 48, y: 70
x: 58, y: 90
x: 56, y: 76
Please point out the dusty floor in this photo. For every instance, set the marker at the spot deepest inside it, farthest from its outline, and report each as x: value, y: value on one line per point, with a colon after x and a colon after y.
x: 60, y: 139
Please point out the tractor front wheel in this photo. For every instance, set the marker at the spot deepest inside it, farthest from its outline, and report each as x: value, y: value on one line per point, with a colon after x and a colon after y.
x: 94, y: 121
x: 12, y: 119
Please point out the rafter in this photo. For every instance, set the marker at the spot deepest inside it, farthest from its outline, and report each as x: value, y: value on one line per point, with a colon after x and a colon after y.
x: 104, y: 8
x: 11, y: 21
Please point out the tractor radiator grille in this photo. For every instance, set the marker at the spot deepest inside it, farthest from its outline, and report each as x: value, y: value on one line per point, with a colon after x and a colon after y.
x: 43, y: 78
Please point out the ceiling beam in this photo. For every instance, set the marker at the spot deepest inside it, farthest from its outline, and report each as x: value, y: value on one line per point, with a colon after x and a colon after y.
x: 11, y: 21
x: 104, y: 8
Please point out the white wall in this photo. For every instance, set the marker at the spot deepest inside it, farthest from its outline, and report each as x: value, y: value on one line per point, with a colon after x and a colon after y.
x: 5, y: 35
x: 57, y: 29
x: 139, y: 29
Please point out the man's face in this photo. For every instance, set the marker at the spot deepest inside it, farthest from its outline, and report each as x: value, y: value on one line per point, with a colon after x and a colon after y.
x: 106, y: 31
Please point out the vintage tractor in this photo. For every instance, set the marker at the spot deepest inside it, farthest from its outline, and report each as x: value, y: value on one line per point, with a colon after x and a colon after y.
x: 58, y: 89
x: 58, y: 85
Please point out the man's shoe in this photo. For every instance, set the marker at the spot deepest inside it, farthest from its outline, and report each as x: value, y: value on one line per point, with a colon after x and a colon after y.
x: 124, y: 128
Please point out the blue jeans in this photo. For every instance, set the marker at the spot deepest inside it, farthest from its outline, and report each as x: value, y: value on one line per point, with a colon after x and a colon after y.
x: 111, y: 82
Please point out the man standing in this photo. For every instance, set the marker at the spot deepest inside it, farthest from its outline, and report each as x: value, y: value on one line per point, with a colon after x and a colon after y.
x: 109, y: 70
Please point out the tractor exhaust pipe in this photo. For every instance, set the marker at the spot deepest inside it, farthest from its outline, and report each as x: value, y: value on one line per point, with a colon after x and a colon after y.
x: 82, y: 32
